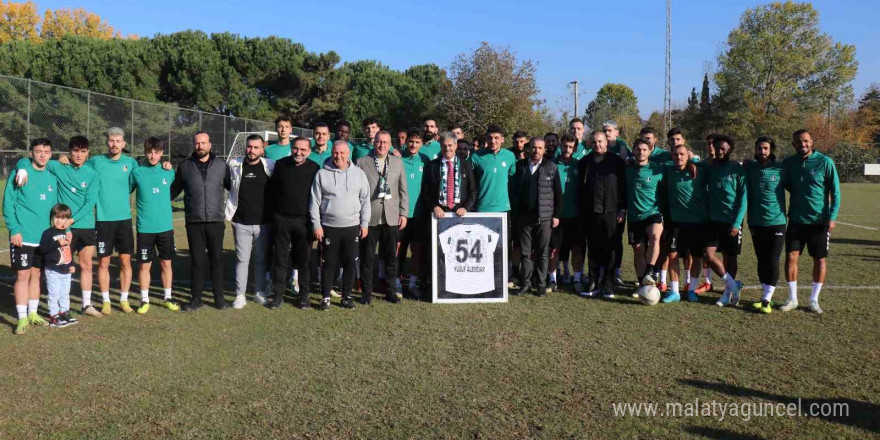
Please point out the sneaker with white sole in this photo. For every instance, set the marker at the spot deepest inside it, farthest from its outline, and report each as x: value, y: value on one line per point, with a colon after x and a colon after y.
x: 91, y: 311
x: 790, y: 304
x: 587, y: 294
x: 734, y: 293
x: 239, y: 302
x: 259, y: 298
x: 724, y: 300
x: 814, y: 307
x: 648, y: 280
x: 335, y: 294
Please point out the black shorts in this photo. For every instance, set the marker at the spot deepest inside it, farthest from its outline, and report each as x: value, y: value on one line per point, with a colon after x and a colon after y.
x: 83, y: 238
x: 569, y: 233
x: 148, y: 245
x: 816, y: 238
x: 718, y: 236
x: 24, y: 257
x: 416, y: 230
x: 687, y: 238
x: 116, y: 235
x: 636, y: 229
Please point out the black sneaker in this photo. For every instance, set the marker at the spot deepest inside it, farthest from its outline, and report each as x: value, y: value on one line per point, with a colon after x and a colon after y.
x: 552, y: 285
x: 58, y: 321
x: 304, y: 305
x: 221, y: 304
x: 347, y: 303
x: 325, y: 304
x: 70, y: 319
x: 618, y: 281
x: 541, y: 291
x: 365, y: 299
x: 275, y: 304
x: 524, y: 290
x: 393, y: 298
x: 192, y: 306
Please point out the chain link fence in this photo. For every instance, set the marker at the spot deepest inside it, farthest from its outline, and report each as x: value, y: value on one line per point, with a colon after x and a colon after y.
x: 32, y: 109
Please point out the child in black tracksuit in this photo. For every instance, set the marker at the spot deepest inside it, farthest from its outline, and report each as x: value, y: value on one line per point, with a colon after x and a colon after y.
x: 58, y: 265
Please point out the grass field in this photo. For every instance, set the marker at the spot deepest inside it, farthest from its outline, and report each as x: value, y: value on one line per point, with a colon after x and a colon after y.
x: 533, y: 368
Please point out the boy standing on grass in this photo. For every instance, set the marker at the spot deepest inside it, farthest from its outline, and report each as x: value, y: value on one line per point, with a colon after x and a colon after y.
x: 155, y: 229
x: 58, y: 265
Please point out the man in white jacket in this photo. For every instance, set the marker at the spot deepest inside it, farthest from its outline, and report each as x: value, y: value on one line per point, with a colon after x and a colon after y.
x: 248, y: 208
x: 339, y: 208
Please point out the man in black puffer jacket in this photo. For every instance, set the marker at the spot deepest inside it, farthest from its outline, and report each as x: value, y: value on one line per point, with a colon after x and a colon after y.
x: 537, y: 193
x: 203, y: 177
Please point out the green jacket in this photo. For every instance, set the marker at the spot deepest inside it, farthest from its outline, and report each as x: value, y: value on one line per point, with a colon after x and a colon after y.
x: 814, y: 188
x: 113, y: 198
x: 493, y: 173
x: 153, y: 186
x: 568, y: 177
x: 414, y: 168
x: 77, y: 188
x: 687, y: 195
x: 431, y: 150
x: 766, y: 194
x: 642, y: 193
x: 727, y: 192
x: 320, y: 158
x: 26, y: 208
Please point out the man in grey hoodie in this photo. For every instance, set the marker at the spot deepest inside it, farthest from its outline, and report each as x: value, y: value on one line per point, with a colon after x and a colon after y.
x: 339, y: 208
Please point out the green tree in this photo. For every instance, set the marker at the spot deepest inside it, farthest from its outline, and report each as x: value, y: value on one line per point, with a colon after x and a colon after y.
x: 868, y: 113
x: 615, y: 102
x: 778, y: 66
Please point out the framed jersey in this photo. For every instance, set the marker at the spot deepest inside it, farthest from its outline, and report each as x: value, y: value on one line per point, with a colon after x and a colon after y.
x: 469, y: 258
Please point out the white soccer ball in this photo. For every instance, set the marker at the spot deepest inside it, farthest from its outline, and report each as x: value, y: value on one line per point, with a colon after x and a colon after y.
x: 648, y: 295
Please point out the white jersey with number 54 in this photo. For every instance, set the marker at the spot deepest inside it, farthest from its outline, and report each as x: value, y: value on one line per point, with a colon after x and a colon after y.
x: 470, y: 258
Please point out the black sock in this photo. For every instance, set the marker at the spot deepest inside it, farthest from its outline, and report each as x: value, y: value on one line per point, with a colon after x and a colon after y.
x: 649, y: 269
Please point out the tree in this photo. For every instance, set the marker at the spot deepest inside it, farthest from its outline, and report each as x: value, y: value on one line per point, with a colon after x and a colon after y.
x: 869, y: 113
x: 616, y: 102
x: 777, y: 66
x: 18, y: 21
x: 78, y: 21
x: 490, y: 86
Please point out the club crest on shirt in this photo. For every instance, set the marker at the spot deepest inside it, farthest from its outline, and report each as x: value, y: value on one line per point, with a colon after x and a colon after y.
x: 503, y: 163
x: 125, y: 168
x: 813, y: 171
x: 84, y: 184
x: 648, y: 179
x: 50, y: 188
x: 73, y: 189
x: 164, y: 181
x: 772, y: 178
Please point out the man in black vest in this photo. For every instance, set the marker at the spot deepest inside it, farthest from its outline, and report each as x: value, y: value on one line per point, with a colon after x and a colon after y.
x: 537, y: 205
x: 203, y: 177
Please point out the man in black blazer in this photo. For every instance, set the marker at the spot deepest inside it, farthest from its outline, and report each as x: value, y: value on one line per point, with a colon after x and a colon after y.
x: 437, y: 199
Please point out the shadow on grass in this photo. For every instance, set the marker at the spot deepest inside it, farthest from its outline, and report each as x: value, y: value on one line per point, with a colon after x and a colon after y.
x: 720, y: 433
x: 859, y: 414
x: 855, y: 241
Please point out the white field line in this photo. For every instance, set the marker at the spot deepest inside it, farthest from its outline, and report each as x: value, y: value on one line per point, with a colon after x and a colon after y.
x: 858, y: 226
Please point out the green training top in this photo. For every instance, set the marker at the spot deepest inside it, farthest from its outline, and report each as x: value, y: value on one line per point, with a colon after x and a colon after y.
x: 153, y: 185
x: 727, y: 192
x: 579, y: 152
x: 113, y: 198
x: 77, y: 188
x: 686, y: 195
x: 320, y: 158
x: 431, y: 150
x: 660, y: 156
x: 275, y: 151
x: 642, y: 183
x: 568, y: 176
x: 814, y: 188
x: 493, y: 173
x: 26, y: 209
x: 414, y: 168
x: 766, y: 194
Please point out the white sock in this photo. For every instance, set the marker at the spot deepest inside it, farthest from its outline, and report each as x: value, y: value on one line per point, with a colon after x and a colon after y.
x: 87, y: 298
x: 412, y: 281
x: 817, y: 287
x: 22, y: 311
x: 792, y: 290
x: 707, y: 273
x: 105, y: 296
x: 145, y: 296
x: 663, y: 276
x: 123, y: 296
x: 167, y: 293
x: 294, y: 274
x: 687, y: 279
x: 729, y: 280
x: 577, y: 276
x: 673, y: 286
x: 553, y: 276
x: 768, y: 292
x: 32, y: 305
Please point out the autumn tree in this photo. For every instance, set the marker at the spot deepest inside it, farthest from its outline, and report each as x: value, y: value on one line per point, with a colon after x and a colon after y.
x: 78, y: 21
x: 18, y: 21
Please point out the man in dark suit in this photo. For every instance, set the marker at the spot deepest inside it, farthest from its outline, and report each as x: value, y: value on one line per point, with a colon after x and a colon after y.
x: 450, y: 185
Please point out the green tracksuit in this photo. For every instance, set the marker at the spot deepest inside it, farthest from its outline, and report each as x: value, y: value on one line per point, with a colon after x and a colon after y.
x: 686, y: 195
x: 431, y: 150
x: 275, y: 151
x: 320, y: 158
x: 493, y: 173
x: 643, y: 195
x: 579, y: 151
x: 814, y: 188
x: 414, y: 168
x: 660, y: 156
x: 153, y: 185
x: 766, y: 193
x: 568, y: 176
x: 727, y: 192
x: 26, y: 209
x: 77, y: 188
x: 113, y: 198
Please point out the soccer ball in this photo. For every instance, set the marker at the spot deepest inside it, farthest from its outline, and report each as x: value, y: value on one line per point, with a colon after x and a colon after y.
x: 648, y: 295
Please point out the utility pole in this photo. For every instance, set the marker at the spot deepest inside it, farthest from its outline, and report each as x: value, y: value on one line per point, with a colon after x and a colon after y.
x: 667, y: 98
x: 576, y: 114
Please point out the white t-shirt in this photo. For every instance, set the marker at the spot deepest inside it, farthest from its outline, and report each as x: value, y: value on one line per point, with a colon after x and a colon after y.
x: 470, y: 258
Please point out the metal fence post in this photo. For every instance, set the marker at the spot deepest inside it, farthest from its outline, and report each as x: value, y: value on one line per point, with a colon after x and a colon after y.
x: 225, y: 152
x: 28, y: 129
x: 132, y: 126
x: 170, y: 129
x: 88, y: 114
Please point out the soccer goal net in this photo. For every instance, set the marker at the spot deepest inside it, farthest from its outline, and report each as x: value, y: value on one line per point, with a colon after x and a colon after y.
x: 240, y: 141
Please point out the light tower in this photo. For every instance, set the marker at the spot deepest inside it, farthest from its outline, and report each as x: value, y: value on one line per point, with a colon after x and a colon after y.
x: 667, y: 92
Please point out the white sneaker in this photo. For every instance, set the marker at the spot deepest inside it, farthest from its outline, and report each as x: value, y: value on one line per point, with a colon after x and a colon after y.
x: 259, y: 298
x: 814, y: 307
x: 635, y: 295
x: 789, y: 305
x: 239, y: 302
x: 587, y: 294
x: 724, y: 300
x: 294, y: 285
x: 335, y: 294
x: 648, y: 280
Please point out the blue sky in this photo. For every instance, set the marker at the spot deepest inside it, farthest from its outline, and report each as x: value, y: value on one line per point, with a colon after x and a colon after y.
x: 592, y: 42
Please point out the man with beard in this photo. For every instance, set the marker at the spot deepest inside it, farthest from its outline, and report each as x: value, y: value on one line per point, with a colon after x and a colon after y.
x: 707, y: 271
x: 727, y: 207
x: 551, y: 140
x: 520, y: 139
x: 814, y: 189
x: 321, y: 150
x: 203, y: 177
x: 431, y: 147
x: 603, y: 199
x: 616, y: 144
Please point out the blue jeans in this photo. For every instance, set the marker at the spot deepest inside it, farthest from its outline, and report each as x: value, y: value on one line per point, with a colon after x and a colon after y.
x: 58, y: 285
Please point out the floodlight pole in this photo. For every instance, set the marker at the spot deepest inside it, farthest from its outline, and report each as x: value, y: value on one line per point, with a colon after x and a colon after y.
x: 576, y: 114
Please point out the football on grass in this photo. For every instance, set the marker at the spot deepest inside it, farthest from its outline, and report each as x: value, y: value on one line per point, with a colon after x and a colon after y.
x: 648, y: 295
